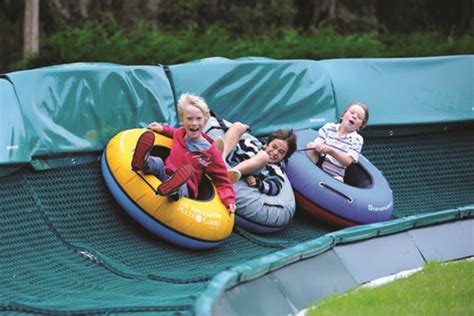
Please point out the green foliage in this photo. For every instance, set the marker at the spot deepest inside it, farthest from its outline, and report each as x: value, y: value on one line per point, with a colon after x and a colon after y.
x: 109, y: 42
x: 239, y: 17
x: 439, y: 289
x: 427, y: 44
x: 407, y: 16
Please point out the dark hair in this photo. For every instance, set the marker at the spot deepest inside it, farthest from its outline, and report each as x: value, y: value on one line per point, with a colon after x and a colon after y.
x: 364, y: 107
x: 287, y: 135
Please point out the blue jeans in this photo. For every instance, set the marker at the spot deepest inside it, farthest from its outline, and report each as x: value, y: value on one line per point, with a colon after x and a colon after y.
x: 156, y: 166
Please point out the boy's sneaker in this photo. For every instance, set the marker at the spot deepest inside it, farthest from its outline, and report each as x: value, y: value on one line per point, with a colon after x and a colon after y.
x: 220, y: 145
x: 234, y: 175
x: 173, y: 184
x: 142, y: 149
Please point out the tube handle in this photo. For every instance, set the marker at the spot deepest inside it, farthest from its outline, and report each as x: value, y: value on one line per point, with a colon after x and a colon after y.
x: 327, y: 186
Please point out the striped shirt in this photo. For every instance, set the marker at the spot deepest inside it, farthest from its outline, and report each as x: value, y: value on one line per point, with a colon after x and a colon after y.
x: 350, y: 144
x: 270, y: 178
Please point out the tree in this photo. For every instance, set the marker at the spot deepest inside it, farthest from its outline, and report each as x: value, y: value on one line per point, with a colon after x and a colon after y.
x: 31, y: 28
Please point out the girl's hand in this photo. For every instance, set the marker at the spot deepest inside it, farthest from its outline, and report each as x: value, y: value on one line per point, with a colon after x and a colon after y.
x: 322, y: 148
x: 231, y: 208
x: 157, y: 127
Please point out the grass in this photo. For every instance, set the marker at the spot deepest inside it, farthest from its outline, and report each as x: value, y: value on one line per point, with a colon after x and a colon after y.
x: 438, y: 289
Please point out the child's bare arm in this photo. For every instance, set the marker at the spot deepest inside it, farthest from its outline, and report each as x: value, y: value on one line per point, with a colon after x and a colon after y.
x: 340, y: 156
x: 254, y: 163
x: 312, y: 154
x: 311, y: 145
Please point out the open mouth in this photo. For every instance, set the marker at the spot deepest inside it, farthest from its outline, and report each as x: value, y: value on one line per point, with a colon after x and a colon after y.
x: 194, y: 129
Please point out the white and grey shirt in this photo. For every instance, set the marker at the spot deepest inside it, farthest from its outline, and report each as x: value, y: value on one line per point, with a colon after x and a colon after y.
x: 350, y: 144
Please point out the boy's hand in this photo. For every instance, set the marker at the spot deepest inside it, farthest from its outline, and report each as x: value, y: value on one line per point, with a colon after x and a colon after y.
x: 231, y: 208
x: 251, y: 181
x: 155, y: 127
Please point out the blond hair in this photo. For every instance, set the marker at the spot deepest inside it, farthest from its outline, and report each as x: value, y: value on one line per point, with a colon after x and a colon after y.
x: 188, y: 99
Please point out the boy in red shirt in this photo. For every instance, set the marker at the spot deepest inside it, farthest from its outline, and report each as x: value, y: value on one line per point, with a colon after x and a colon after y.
x: 193, y: 154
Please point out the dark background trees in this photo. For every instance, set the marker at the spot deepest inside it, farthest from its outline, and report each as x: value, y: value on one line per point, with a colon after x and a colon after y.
x: 232, y: 19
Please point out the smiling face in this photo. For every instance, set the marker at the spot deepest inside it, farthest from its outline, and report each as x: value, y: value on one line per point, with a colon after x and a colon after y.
x: 353, y: 118
x: 276, y: 150
x: 193, y: 120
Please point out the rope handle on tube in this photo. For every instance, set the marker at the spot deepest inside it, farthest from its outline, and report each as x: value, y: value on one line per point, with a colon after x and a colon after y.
x: 327, y: 186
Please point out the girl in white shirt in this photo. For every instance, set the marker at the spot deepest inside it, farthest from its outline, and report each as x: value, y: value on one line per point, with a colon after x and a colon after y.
x: 340, y: 144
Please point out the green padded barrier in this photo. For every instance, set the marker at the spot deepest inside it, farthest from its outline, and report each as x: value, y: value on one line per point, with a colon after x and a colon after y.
x: 264, y: 93
x: 406, y: 90
x: 13, y: 135
x: 79, y: 107
x: 76, y: 108
x: 466, y: 211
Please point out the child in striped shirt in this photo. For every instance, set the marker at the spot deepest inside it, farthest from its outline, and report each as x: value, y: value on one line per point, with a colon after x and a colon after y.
x: 262, y: 166
x: 340, y: 144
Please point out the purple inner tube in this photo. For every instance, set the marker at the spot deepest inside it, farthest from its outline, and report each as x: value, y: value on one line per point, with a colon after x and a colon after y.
x: 365, y: 196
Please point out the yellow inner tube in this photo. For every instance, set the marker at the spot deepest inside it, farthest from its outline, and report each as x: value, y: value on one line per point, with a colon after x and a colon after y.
x: 203, y: 220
